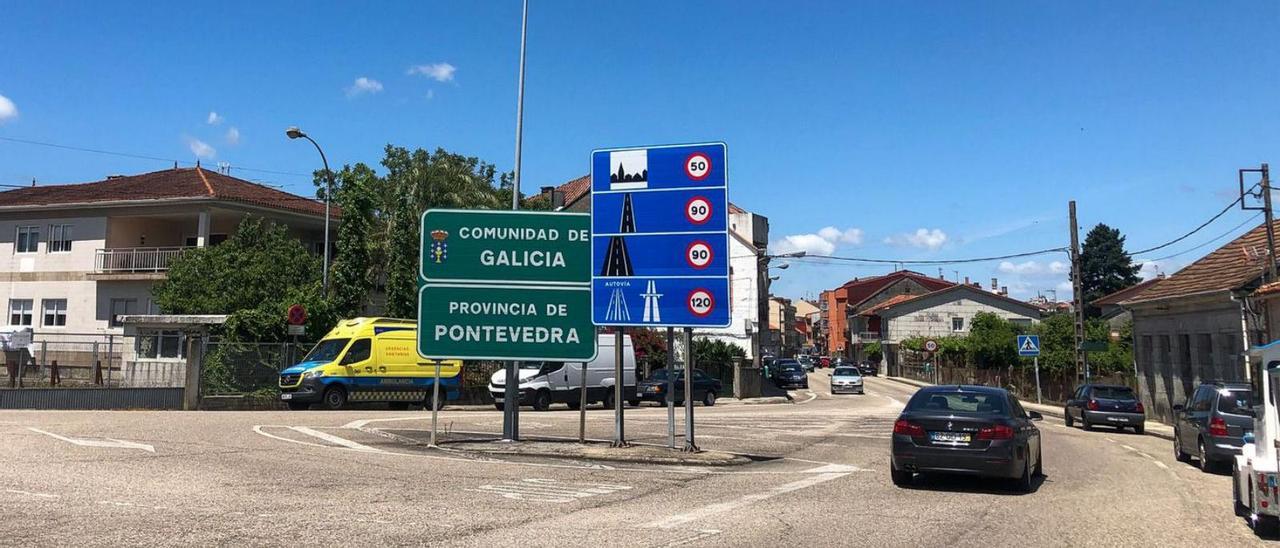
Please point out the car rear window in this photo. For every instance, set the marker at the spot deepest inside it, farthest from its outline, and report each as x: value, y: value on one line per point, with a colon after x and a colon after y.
x: 1113, y: 393
x: 1234, y: 402
x: 958, y: 402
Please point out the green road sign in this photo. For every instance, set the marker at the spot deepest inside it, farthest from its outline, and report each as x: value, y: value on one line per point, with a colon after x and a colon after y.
x: 505, y: 322
x: 1093, y: 346
x: 506, y: 247
x: 505, y: 285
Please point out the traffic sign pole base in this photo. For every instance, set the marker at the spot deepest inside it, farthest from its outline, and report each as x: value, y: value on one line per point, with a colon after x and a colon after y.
x: 620, y: 444
x: 690, y: 448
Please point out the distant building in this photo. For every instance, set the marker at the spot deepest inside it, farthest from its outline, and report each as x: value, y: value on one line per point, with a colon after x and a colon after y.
x: 941, y: 313
x: 1197, y: 324
x: 783, y: 339
x: 846, y: 330
x: 1109, y: 305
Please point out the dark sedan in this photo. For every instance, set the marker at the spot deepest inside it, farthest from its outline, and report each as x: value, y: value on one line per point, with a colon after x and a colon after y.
x: 790, y: 374
x: 654, y: 388
x: 1106, y: 405
x: 973, y: 430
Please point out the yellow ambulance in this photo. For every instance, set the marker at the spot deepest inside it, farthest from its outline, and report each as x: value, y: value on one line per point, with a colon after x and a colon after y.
x: 368, y: 360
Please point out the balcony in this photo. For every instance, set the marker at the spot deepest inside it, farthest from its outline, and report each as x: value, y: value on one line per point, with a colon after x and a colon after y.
x: 866, y: 337
x: 135, y: 260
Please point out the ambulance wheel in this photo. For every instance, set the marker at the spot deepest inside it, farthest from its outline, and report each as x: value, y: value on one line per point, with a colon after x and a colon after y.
x: 398, y: 405
x: 440, y: 404
x: 335, y: 397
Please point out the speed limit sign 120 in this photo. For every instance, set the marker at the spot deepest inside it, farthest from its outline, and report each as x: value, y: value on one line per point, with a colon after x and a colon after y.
x: 701, y: 303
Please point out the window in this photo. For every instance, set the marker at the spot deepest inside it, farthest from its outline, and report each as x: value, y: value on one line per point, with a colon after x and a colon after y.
x: 59, y: 238
x: 1202, y: 399
x: 1113, y: 393
x: 326, y: 350
x: 122, y: 307
x: 28, y: 239
x: 20, y: 311
x: 957, y: 324
x: 159, y: 344
x: 957, y: 402
x: 55, y: 312
x: 1018, y: 412
x: 1234, y: 402
x: 358, y: 352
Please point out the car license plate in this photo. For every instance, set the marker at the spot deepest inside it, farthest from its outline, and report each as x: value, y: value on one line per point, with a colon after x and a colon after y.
x: 651, y: 389
x: 286, y: 396
x: 949, y: 437
x: 1116, y: 419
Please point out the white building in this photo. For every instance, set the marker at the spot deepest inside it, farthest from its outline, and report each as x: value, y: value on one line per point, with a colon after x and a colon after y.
x: 75, y: 256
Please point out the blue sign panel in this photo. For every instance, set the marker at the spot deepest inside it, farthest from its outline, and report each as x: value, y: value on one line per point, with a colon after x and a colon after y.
x: 1029, y: 345
x: 660, y: 236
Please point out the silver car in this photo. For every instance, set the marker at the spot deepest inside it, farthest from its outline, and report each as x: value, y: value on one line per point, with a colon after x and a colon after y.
x: 846, y: 379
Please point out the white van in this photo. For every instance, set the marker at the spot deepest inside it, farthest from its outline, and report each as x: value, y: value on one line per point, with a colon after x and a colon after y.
x: 545, y: 383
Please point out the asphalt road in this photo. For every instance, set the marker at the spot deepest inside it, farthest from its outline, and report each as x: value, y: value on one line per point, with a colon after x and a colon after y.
x: 820, y: 479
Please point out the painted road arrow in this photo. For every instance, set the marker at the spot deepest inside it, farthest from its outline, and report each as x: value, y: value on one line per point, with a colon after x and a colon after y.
x: 98, y: 442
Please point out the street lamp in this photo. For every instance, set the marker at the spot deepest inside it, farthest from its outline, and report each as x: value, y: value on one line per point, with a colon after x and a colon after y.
x: 294, y: 133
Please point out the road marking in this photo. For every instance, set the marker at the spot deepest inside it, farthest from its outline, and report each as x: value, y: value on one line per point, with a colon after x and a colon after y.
x: 1110, y: 440
x: 548, y: 490
x: 812, y: 396
x: 722, y: 507
x: 700, y: 535
x: 94, y: 442
x: 832, y: 469
x: 1161, y: 464
x: 334, y: 439
x: 1129, y: 448
x: 31, y: 494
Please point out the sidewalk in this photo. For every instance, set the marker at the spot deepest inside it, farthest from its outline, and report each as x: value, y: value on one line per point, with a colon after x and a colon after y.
x: 1152, y: 428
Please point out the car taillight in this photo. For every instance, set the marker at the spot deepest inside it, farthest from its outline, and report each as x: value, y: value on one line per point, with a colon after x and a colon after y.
x: 1140, y: 408
x: 1093, y: 405
x: 997, y: 432
x: 908, y: 428
x: 1217, y: 427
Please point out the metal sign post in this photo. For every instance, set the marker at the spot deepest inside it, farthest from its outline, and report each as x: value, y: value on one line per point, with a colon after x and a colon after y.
x: 435, y: 404
x: 660, y: 244
x: 1029, y: 346
x: 689, y: 445
x: 1037, y: 362
x: 619, y: 437
x: 671, y: 387
x: 582, y: 406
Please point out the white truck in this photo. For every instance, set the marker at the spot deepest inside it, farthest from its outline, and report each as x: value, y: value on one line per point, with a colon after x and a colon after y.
x: 1255, y: 474
x: 545, y: 383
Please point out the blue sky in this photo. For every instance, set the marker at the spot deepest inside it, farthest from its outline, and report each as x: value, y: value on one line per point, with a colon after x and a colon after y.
x: 923, y: 131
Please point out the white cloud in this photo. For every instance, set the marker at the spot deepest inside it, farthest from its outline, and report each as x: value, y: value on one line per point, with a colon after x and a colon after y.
x: 200, y: 148
x: 925, y: 238
x: 1063, y: 286
x: 364, y: 85
x: 8, y: 110
x: 214, y: 118
x: 233, y: 136
x: 440, y: 72
x: 822, y: 242
x: 1033, y: 268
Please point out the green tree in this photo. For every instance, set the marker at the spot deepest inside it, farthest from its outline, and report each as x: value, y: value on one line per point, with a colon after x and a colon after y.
x: 254, y: 276
x: 709, y: 352
x: 991, y: 341
x: 1105, y: 267
x: 352, y: 273
x: 1057, y: 342
x: 874, y: 351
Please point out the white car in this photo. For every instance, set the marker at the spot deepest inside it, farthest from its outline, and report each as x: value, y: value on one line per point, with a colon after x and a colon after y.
x: 1255, y: 474
x: 545, y: 383
x: 846, y: 379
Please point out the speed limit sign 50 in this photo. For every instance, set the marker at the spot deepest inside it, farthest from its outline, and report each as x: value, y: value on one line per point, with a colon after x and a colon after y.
x: 697, y: 166
x: 701, y: 303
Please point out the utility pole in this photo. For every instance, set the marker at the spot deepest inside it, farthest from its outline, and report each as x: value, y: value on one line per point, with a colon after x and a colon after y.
x: 1269, y: 274
x: 1271, y: 233
x: 511, y: 392
x: 1076, y: 292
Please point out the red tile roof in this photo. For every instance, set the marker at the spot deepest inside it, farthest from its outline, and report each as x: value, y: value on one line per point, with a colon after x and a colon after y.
x: 1267, y: 290
x: 1227, y: 268
x: 188, y: 183
x: 1126, y: 293
x: 900, y: 299
x: 893, y: 301
x: 859, y: 290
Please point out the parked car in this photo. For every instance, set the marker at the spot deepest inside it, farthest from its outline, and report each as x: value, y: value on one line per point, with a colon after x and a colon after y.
x: 1105, y: 404
x: 807, y: 366
x: 824, y: 361
x: 846, y: 379
x: 1212, y: 424
x: 806, y: 361
x: 705, y: 388
x: 973, y: 430
x: 868, y: 368
x: 545, y: 383
x: 790, y: 374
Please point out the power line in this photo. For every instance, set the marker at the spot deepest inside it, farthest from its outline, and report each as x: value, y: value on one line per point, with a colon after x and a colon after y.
x: 143, y: 156
x: 1197, y: 229
x: 931, y: 262
x: 1214, y: 239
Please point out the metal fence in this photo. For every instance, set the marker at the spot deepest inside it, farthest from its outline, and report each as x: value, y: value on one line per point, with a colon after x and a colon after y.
x: 62, y: 370
x: 1055, y: 386
x: 243, y: 368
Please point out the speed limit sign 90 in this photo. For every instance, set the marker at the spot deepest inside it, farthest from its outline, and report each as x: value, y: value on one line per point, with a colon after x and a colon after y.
x: 697, y: 166
x: 701, y: 302
x: 698, y: 210
x: 699, y: 254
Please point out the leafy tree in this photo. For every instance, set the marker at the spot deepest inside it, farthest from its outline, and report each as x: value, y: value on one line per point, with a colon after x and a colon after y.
x: 254, y: 276
x: 652, y: 345
x: 991, y: 341
x: 352, y: 272
x: 873, y: 350
x: 1105, y: 267
x: 709, y: 352
x: 1057, y: 342
x: 402, y: 262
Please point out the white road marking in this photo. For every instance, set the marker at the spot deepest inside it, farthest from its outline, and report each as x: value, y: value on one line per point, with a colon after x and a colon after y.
x: 1110, y: 440
x: 356, y: 425
x: 1129, y: 448
x: 832, y: 469
x: 94, y: 442
x: 31, y: 494
x: 700, y: 535
x: 548, y: 490
x: 1161, y: 464
x: 334, y: 439
x: 722, y: 507
x: 812, y: 396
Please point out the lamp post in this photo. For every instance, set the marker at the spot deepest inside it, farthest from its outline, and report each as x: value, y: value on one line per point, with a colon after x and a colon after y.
x: 294, y: 133
x: 762, y: 298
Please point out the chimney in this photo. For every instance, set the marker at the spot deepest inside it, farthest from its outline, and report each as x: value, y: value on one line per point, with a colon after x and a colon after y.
x: 1159, y: 275
x: 994, y: 284
x: 1004, y: 290
x: 966, y: 280
x: 977, y: 285
x: 555, y: 198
